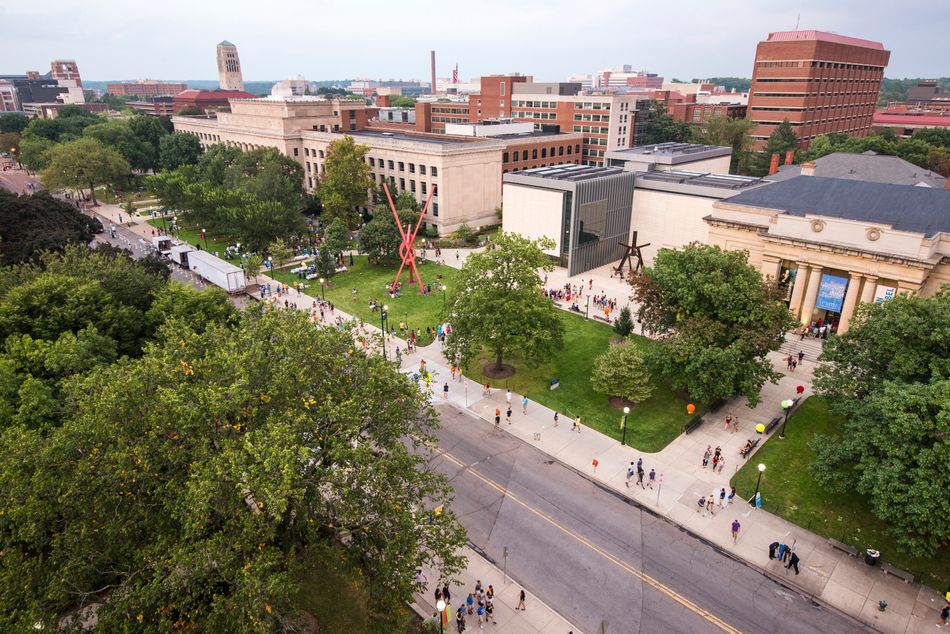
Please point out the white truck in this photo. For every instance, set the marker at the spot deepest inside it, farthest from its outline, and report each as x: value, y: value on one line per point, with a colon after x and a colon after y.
x: 179, y: 254
x: 217, y: 271
x: 163, y: 245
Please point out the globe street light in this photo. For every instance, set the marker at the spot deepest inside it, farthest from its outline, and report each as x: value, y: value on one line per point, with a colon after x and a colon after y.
x: 440, y: 606
x: 323, y: 293
x: 623, y: 425
x: 444, y: 287
x: 204, y: 236
x: 757, y: 482
x: 786, y: 407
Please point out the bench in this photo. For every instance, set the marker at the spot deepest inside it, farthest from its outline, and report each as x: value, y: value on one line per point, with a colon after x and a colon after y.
x: 897, y: 572
x: 694, y: 424
x: 745, y: 454
x: 851, y: 550
x: 773, y: 424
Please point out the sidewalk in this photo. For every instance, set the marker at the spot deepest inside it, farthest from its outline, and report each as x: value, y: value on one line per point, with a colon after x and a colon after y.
x: 536, y: 618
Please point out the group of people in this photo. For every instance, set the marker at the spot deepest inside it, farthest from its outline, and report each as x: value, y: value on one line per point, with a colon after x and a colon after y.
x: 707, y: 504
x: 477, y: 608
x: 792, y: 362
x: 715, y: 456
x: 819, y: 330
x: 784, y: 554
x: 636, y: 469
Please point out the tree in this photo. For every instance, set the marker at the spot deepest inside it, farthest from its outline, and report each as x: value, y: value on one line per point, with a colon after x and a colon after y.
x: 888, y: 378
x: 10, y: 143
x: 325, y: 263
x: 622, y: 371
x: 177, y: 302
x: 402, y: 102
x: 83, y: 163
x: 380, y: 239
x: 729, y: 132
x: 119, y: 136
x: 337, y: 236
x: 190, y: 111
x: 466, y: 235
x: 499, y: 304
x: 252, y: 266
x: 280, y: 252
x: 346, y: 183
x: 715, y: 319
x: 30, y: 225
x: 200, y: 517
x: 13, y: 123
x: 178, y: 149
x: 781, y: 140
x: 33, y: 152
x: 623, y: 325
x: 661, y: 127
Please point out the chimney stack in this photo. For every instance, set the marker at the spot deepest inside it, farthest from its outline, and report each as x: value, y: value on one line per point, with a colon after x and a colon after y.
x: 773, y: 168
x: 808, y: 169
x: 432, y: 54
x: 789, y: 157
x: 948, y: 182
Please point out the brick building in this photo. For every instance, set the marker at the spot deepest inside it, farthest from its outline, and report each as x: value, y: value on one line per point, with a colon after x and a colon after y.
x: 146, y: 88
x: 207, y: 99
x: 821, y: 82
x: 697, y: 113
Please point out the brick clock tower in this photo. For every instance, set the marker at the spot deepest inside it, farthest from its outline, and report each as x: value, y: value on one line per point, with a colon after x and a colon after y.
x: 229, y: 67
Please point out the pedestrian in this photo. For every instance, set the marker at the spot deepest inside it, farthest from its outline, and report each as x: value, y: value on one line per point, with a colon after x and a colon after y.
x: 706, y: 455
x: 445, y: 390
x: 630, y: 471
x: 794, y: 365
x: 801, y: 356
x: 735, y: 530
x: 793, y: 563
x: 480, y: 611
x: 497, y: 417
x: 722, y: 463
x: 524, y: 405
x: 788, y: 362
x: 460, y: 620
x: 490, y: 593
x: 701, y: 505
x: 490, y: 611
x: 520, y: 605
x: 732, y: 495
x: 728, y: 423
x: 446, y: 594
x: 508, y: 397
x: 722, y: 496
x: 711, y: 505
x: 421, y: 577
x: 715, y: 462
x: 508, y: 415
x: 780, y: 554
x: 486, y: 389
x: 651, y: 478
x: 438, y: 594
x: 944, y: 616
x: 555, y: 418
x: 453, y: 372
x: 772, y: 548
x: 470, y: 604
x: 577, y: 425
x: 640, y: 477
x: 456, y: 256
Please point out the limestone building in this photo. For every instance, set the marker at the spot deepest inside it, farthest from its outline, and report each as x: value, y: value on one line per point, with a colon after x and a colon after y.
x: 229, y: 67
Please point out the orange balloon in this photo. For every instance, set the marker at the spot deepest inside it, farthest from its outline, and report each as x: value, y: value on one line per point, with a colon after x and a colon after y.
x: 690, y: 408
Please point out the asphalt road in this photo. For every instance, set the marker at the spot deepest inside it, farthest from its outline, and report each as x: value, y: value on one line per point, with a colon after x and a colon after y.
x: 595, y: 558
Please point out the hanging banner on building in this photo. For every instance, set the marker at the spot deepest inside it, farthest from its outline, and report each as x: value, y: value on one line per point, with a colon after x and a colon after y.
x: 884, y: 293
x: 831, y: 293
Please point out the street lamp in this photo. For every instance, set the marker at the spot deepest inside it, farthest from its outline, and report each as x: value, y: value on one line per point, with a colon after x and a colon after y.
x: 440, y: 606
x: 757, y: 482
x: 164, y: 224
x: 323, y: 292
x: 444, y: 287
x: 382, y: 325
x: 786, y: 407
x: 623, y: 425
x: 204, y: 236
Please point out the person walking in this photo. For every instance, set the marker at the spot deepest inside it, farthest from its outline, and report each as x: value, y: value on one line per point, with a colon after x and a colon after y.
x: 577, y: 425
x: 793, y: 562
x: 508, y: 397
x: 446, y: 594
x: 480, y: 612
x: 520, y: 605
x: 701, y: 505
x: 722, y: 463
x: 735, y: 531
x: 706, y: 455
x: 460, y: 619
x: 944, y: 616
x: 497, y: 417
x: 651, y: 478
x: 772, y: 548
x: 722, y: 497
x: 470, y: 604
x: 630, y: 471
x: 801, y: 356
x: 555, y: 418
x: 445, y: 390
x: 640, y: 476
x: 490, y: 610
x: 732, y: 495
x: 524, y: 405
x: 508, y: 414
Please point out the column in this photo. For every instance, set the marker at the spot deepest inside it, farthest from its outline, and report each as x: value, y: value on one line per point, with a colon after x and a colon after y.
x: 801, y: 277
x: 811, y: 295
x: 850, y: 300
x: 770, y: 266
x: 908, y: 288
x: 870, y: 286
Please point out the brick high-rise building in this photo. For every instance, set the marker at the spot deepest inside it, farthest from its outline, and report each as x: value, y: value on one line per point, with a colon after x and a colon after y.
x: 821, y: 82
x: 229, y: 67
x: 65, y: 69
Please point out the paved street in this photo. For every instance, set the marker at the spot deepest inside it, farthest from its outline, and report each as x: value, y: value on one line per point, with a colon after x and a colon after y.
x: 593, y: 557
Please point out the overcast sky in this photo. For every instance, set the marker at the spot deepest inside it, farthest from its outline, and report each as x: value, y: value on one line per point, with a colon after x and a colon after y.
x: 550, y: 39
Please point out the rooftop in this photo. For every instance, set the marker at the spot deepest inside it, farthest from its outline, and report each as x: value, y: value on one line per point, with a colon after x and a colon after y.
x: 400, y: 136
x: 822, y: 36
x: 869, y: 166
x: 905, y: 208
x: 709, y: 179
x: 669, y: 153
x: 571, y: 172
x: 935, y: 120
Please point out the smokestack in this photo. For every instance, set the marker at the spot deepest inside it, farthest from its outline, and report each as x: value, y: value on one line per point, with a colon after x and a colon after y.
x: 948, y: 182
x: 432, y: 53
x: 808, y: 169
x: 774, y: 165
x: 789, y: 157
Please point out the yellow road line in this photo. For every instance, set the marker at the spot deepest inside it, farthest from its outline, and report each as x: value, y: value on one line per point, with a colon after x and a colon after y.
x: 709, y: 616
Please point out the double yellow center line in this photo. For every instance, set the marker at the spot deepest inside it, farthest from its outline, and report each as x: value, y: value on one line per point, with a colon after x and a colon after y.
x: 647, y: 579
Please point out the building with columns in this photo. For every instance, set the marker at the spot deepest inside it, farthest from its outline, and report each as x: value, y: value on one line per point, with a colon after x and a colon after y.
x: 832, y: 243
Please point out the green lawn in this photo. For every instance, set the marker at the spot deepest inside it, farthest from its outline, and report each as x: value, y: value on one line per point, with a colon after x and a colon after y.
x: 412, y: 307
x: 651, y: 425
x: 193, y: 237
x: 789, y: 490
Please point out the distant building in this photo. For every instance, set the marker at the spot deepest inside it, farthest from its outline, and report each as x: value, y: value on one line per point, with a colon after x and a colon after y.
x: 293, y: 87
x: 207, y: 100
x: 51, y: 110
x: 65, y: 70
x: 229, y: 67
x: 163, y: 106
x: 869, y: 167
x: 8, y: 96
x: 821, y: 82
x: 666, y: 157
x: 904, y: 124
x: 625, y: 79
x: 146, y: 88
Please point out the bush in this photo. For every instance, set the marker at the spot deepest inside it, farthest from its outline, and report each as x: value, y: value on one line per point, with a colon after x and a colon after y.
x: 623, y: 325
x: 466, y: 235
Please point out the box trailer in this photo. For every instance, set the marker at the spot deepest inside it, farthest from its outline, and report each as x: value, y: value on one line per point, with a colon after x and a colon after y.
x: 162, y: 244
x: 179, y: 254
x: 217, y: 271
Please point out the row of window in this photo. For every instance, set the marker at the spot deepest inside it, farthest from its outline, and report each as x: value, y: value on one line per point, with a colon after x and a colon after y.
x: 463, y: 111
x: 592, y: 117
x: 592, y: 141
x: 423, y: 188
x: 544, y: 153
x: 527, y: 114
x: 589, y: 105
x: 449, y: 119
x: 533, y: 104
x: 817, y: 64
x: 815, y: 95
x: 811, y: 122
x: 433, y: 170
x: 596, y: 129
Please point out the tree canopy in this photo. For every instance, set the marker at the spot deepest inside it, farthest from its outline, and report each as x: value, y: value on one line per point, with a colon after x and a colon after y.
x: 30, y: 225
x: 662, y: 127
x: 346, y: 183
x: 83, y: 163
x: 728, y: 132
x: 780, y: 141
x: 715, y: 318
x: 889, y: 378
x: 118, y: 135
x: 928, y: 148
x: 184, y: 488
x: 498, y: 303
x: 178, y: 149
x: 622, y: 371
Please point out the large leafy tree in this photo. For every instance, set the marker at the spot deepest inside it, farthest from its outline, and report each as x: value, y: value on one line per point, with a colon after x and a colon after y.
x: 13, y: 123
x: 729, y: 132
x: 622, y: 371
x: 889, y: 379
x: 346, y: 183
x: 185, y: 488
x: 380, y: 239
x: 119, y: 136
x: 715, y: 319
x: 178, y: 149
x: 499, y: 304
x: 661, y: 127
x: 32, y: 224
x: 83, y: 163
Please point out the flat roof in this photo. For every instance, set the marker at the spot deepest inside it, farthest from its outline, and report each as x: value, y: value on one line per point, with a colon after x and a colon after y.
x: 401, y: 136
x: 823, y: 36
x: 709, y: 179
x: 670, y: 152
x: 571, y: 172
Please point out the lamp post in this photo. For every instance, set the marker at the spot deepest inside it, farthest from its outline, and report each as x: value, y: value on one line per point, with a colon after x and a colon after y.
x: 757, y: 482
x: 440, y: 606
x: 164, y: 224
x: 382, y: 325
x: 204, y: 236
x: 444, y: 288
x: 323, y: 293
x: 587, y: 309
x: 623, y: 425
x: 786, y: 407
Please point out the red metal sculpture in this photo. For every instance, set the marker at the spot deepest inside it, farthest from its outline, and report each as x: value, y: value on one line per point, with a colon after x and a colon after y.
x: 406, y: 250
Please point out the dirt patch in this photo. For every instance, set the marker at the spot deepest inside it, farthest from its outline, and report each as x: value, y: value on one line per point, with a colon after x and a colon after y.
x: 493, y: 372
x: 618, y: 403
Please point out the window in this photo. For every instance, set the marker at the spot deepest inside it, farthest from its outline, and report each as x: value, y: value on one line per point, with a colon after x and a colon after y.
x: 434, y: 171
x: 504, y: 157
x: 422, y: 170
x: 296, y: 151
x: 534, y: 154
x: 372, y: 162
x: 568, y: 150
x: 423, y: 184
x: 560, y: 151
x: 321, y: 153
x: 501, y: 104
x: 402, y: 183
x: 501, y: 89
x: 412, y: 168
x: 544, y: 152
x: 390, y: 165
x: 309, y: 181
x: 435, y: 209
x: 306, y: 151
x: 308, y: 167
x: 402, y: 166
x: 524, y: 155
x: 412, y: 186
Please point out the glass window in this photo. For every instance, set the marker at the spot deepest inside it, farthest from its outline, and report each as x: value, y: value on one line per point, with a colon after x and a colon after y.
x: 544, y: 152
x: 434, y: 170
x: 534, y: 154
x: 390, y: 165
x: 402, y: 183
x: 504, y: 157
x: 422, y: 170
x: 412, y: 186
x: 412, y: 168
x: 524, y: 155
x: 320, y: 153
x: 423, y: 184
x: 435, y: 209
x: 402, y: 166
x: 560, y: 151
x: 296, y: 151
x: 372, y: 162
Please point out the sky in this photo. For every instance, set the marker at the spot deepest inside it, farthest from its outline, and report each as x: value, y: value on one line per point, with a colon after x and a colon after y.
x: 549, y: 39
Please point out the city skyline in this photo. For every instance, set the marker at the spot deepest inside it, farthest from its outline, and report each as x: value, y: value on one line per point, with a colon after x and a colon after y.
x: 336, y: 41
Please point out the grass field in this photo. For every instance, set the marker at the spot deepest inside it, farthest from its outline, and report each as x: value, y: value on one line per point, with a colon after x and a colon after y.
x: 650, y: 426
x: 193, y: 237
x: 789, y: 490
x: 412, y: 307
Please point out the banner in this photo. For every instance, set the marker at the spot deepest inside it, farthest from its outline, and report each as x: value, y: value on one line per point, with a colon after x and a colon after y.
x: 831, y: 293
x: 884, y: 293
